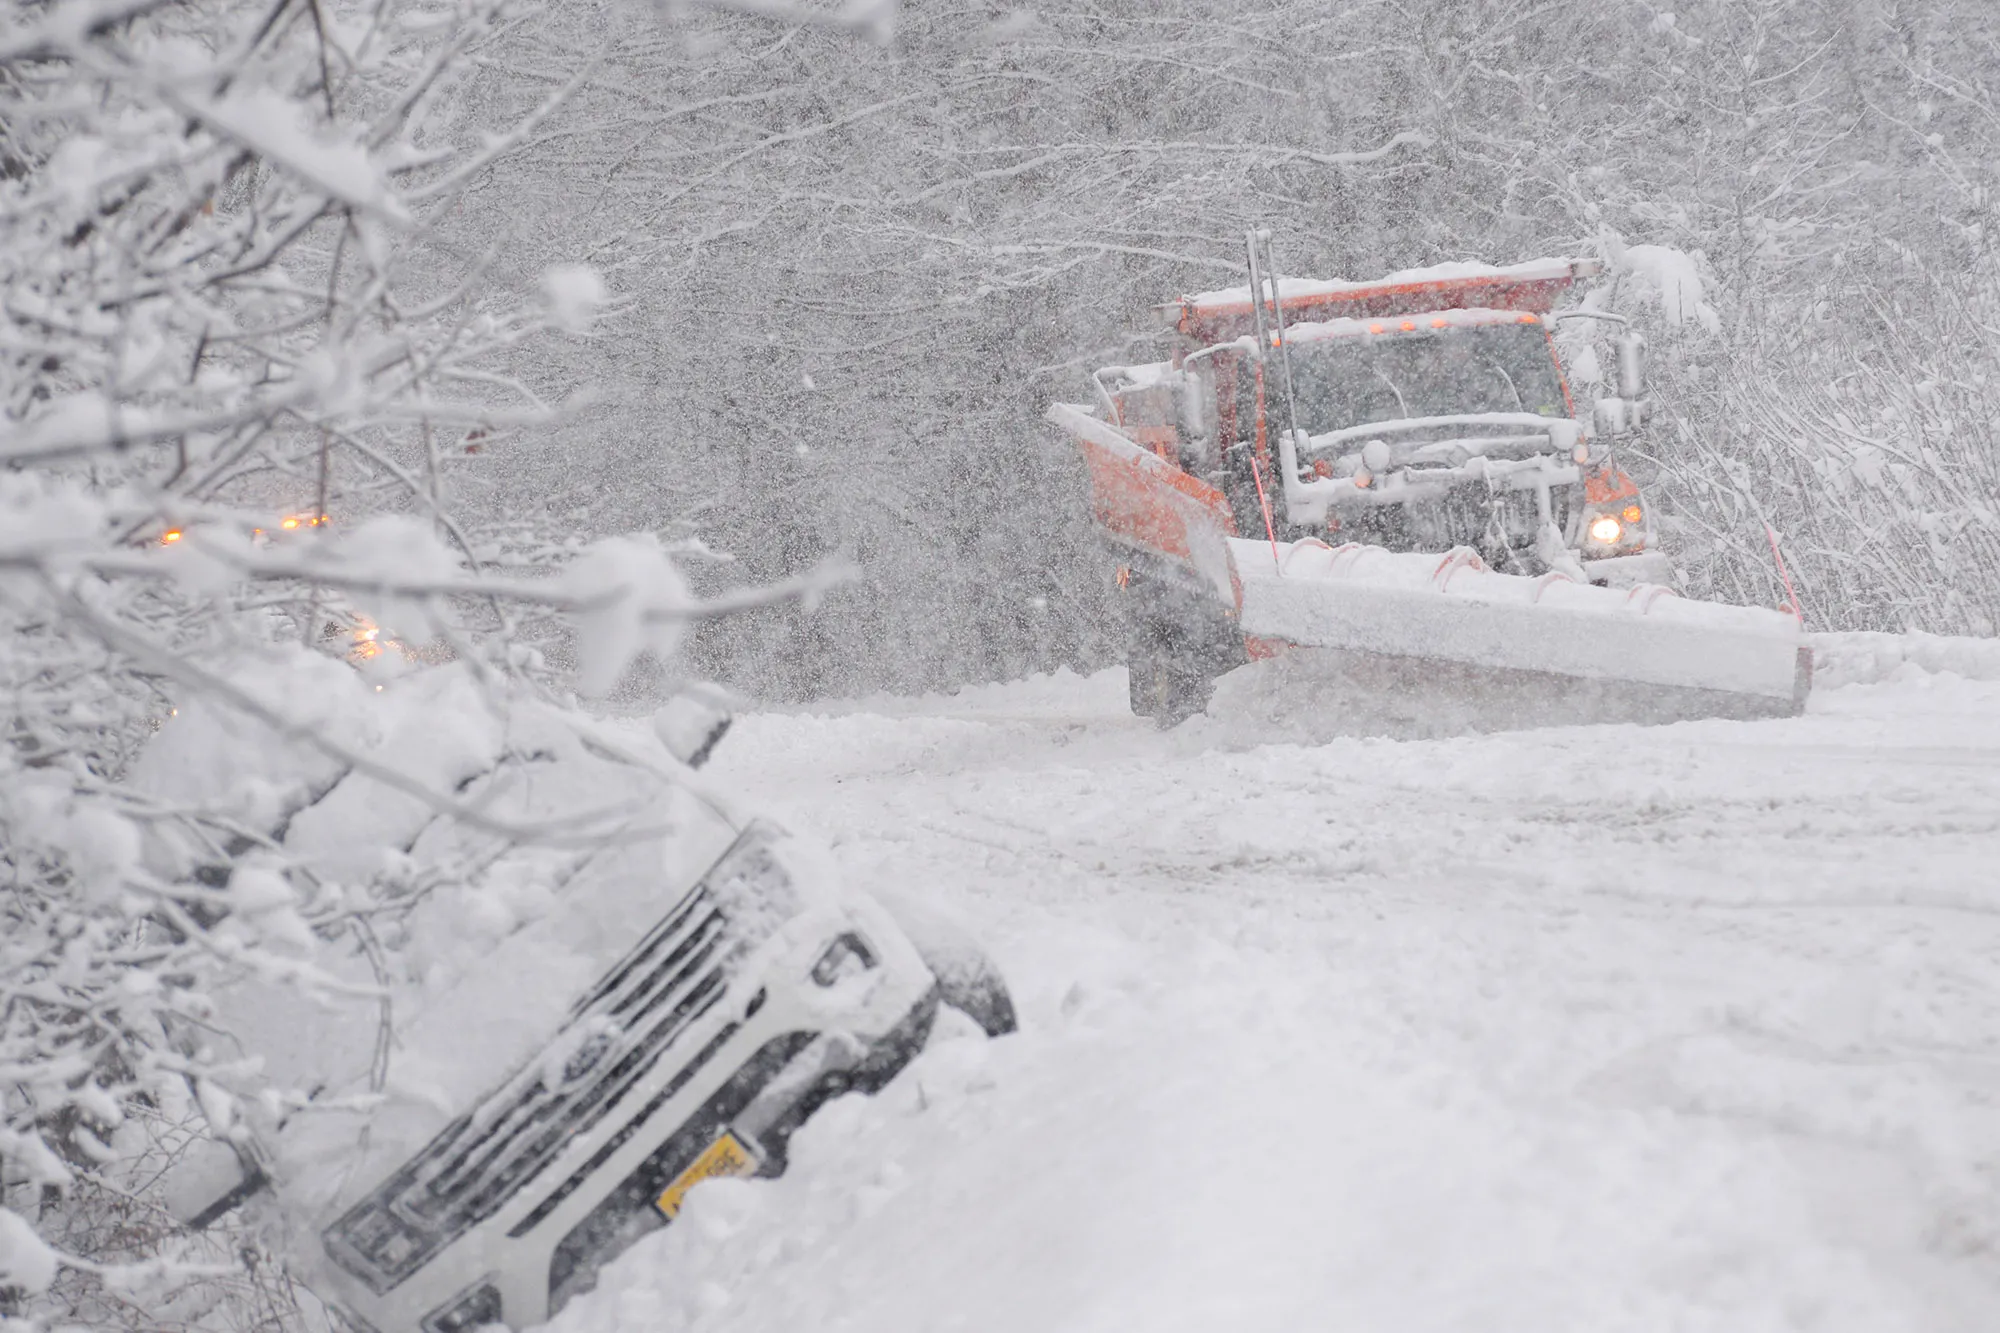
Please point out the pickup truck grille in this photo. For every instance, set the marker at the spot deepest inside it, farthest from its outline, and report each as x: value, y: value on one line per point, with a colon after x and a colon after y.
x: 613, y: 1038
x: 625, y: 1027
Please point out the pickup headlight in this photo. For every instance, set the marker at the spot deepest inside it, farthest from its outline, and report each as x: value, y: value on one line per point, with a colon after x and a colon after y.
x: 1606, y: 530
x: 847, y: 955
x: 473, y: 1309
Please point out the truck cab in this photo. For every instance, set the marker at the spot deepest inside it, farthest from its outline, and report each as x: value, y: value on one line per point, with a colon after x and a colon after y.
x: 1423, y: 411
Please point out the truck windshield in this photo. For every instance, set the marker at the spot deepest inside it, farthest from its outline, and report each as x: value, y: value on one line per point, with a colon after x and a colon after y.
x: 1342, y: 382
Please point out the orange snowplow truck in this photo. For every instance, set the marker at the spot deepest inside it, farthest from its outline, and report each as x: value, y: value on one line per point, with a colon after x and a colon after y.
x: 1422, y: 413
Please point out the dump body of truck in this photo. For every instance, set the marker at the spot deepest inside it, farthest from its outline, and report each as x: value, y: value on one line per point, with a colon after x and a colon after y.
x: 1423, y: 419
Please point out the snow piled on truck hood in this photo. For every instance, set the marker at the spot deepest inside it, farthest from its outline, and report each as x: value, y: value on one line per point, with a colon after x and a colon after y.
x: 1589, y: 1028
x: 452, y: 946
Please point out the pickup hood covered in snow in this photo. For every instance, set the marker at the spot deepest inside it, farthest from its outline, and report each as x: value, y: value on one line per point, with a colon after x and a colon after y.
x: 445, y: 933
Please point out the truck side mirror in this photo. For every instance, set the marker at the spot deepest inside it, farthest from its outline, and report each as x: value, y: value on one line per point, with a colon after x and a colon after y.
x: 1617, y: 416
x: 692, y: 723
x: 207, y: 1180
x: 1609, y: 417
x: 1191, y: 396
x: 1631, y: 366
x: 1194, y: 414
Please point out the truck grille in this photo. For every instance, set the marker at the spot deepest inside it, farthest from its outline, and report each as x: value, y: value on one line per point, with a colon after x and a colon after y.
x: 464, y: 1176
x: 614, y: 1037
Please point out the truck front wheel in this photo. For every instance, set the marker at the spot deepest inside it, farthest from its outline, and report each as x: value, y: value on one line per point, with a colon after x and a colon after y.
x: 1167, y: 681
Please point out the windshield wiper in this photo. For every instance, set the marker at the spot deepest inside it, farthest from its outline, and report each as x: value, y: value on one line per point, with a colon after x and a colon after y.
x: 1402, y: 404
x: 1512, y: 387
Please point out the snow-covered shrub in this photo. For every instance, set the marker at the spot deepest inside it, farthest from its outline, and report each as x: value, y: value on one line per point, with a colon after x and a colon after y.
x: 1866, y: 440
x: 240, y: 358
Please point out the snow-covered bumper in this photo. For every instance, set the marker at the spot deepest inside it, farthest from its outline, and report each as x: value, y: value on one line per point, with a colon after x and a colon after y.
x: 698, y: 1054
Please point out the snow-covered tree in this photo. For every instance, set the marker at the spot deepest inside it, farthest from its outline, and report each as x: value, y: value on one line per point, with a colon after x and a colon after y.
x: 858, y: 271
x: 242, y: 353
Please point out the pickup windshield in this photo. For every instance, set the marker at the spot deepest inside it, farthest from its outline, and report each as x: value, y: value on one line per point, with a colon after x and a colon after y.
x: 1351, y: 381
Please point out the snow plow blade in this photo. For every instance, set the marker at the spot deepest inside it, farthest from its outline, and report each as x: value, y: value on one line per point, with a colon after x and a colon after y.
x: 1516, y: 651
x: 1425, y: 642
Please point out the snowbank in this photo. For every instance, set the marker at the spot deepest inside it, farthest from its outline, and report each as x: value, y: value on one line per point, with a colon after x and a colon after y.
x: 1061, y: 692
x: 1865, y: 659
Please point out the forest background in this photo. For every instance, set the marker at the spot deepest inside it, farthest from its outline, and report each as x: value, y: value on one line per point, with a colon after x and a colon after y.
x: 851, y: 275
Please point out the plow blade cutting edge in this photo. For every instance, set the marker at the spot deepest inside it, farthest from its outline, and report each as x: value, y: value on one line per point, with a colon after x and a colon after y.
x: 1529, y: 651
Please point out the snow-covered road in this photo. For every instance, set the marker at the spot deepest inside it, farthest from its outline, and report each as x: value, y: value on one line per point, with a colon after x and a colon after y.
x: 1609, y: 1028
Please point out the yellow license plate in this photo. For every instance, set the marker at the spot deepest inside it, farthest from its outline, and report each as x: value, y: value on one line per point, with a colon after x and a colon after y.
x: 724, y: 1157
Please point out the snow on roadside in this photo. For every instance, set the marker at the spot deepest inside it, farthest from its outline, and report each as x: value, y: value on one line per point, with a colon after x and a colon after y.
x: 1059, y: 693
x: 1585, y: 1028
x: 1862, y: 659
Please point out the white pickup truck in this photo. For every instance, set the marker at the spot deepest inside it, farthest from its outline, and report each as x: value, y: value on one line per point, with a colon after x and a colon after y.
x: 538, y: 1021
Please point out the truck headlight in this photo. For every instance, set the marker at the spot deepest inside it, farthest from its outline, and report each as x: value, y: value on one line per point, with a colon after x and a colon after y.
x: 1606, y: 530
x: 473, y: 1309
x: 845, y: 956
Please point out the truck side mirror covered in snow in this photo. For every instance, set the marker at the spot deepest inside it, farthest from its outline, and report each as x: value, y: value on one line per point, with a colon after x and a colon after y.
x: 692, y: 723
x: 1627, y: 412
x: 1607, y: 417
x: 1191, y: 395
x: 1631, y: 367
x: 208, y: 1180
x: 1617, y: 416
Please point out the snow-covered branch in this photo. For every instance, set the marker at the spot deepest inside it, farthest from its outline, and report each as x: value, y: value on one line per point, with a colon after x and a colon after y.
x: 231, y: 298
